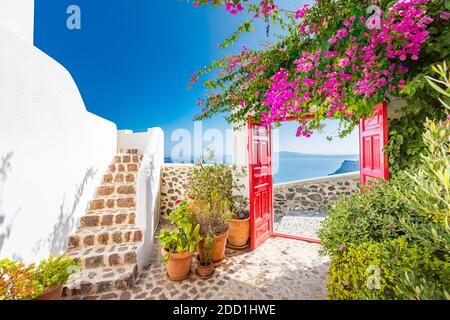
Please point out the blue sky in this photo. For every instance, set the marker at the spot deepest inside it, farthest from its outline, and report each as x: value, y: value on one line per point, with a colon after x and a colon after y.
x: 132, y: 60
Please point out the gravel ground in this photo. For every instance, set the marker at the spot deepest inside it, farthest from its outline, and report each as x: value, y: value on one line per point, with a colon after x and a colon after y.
x: 304, y: 224
x: 280, y: 269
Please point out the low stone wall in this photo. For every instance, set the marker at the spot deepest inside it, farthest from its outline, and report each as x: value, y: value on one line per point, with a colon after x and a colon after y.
x: 174, y: 185
x: 313, y: 195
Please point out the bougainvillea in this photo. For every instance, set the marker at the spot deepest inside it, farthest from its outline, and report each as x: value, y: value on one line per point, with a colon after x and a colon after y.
x: 334, y: 60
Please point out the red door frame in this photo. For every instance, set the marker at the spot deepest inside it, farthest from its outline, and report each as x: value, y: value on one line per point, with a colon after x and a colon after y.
x: 253, y: 182
x: 369, y: 132
x: 251, y: 123
x: 254, y: 244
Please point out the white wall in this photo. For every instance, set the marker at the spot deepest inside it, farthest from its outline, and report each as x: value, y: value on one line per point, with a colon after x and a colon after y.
x: 57, y: 151
x: 148, y: 189
x: 18, y: 17
x: 128, y: 139
x: 239, y: 154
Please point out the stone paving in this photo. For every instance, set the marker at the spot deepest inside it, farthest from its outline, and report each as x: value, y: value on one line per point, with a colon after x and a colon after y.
x: 279, y: 269
x: 302, y: 224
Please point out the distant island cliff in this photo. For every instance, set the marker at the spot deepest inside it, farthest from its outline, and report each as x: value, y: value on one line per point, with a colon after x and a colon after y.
x: 347, y: 166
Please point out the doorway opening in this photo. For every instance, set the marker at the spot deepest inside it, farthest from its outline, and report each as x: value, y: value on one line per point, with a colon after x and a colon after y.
x: 310, y: 173
x: 263, y: 220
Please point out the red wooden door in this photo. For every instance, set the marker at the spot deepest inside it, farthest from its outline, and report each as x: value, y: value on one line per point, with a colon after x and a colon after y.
x: 373, y: 135
x: 260, y: 175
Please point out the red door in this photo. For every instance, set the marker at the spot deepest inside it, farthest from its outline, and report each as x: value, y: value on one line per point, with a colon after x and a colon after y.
x: 373, y: 137
x: 260, y: 174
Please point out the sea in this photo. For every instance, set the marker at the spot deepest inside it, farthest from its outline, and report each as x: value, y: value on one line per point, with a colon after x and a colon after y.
x: 293, y: 166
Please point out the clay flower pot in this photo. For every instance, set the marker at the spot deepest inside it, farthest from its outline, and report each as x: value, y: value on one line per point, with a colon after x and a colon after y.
x: 53, y: 293
x: 178, y: 265
x: 205, y: 272
x: 239, y: 233
x: 218, y: 249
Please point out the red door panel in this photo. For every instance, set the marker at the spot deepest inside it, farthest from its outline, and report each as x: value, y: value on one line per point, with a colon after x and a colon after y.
x: 260, y: 175
x: 373, y: 138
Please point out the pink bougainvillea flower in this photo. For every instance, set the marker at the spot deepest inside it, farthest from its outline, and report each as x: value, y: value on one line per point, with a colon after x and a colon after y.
x: 233, y: 8
x: 445, y: 15
x: 301, y: 12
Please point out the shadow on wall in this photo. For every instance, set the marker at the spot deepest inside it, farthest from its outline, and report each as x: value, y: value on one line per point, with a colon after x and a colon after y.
x: 56, y: 242
x: 5, y: 226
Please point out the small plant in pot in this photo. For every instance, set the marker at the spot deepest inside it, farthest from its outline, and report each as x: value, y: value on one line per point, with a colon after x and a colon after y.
x: 17, y: 281
x: 213, y: 218
x: 205, y: 266
x: 178, y: 245
x: 52, y: 274
x: 239, y: 235
x: 44, y: 281
x: 212, y: 190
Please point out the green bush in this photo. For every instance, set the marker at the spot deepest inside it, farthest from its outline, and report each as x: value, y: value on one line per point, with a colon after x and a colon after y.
x: 364, y: 217
x: 400, y: 227
x: 184, y: 237
x: 395, y: 269
x: 21, y: 282
x: 53, y: 271
x: 349, y: 272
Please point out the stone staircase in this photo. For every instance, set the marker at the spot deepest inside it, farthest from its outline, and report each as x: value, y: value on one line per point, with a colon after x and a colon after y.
x: 108, y: 242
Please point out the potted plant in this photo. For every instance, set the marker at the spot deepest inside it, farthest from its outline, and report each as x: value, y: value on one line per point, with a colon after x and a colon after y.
x: 17, y: 281
x: 52, y: 274
x: 213, y: 218
x: 205, y: 266
x: 42, y: 282
x: 239, y: 235
x: 213, y: 190
x: 178, y: 245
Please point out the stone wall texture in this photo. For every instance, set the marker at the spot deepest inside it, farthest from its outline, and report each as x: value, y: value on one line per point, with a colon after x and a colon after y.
x: 313, y: 195
x: 174, y: 185
x: 299, y: 196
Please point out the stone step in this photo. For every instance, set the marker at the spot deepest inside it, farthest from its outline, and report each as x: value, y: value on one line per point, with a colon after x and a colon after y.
x: 92, y: 282
x: 108, y: 217
x: 112, y: 201
x: 122, y: 177
x: 117, y: 188
x: 127, y: 158
x: 122, y: 151
x: 123, y: 167
x: 107, y: 256
x: 103, y: 236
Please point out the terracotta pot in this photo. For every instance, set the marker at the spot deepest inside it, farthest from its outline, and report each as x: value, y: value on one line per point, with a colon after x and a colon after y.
x: 178, y: 265
x: 218, y: 249
x: 205, y: 272
x: 53, y: 293
x: 239, y: 232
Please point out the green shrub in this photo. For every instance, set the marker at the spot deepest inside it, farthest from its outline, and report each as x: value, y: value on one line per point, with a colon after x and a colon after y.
x: 184, y: 237
x: 395, y: 269
x: 17, y: 281
x: 219, y: 182
x: 400, y: 226
x: 349, y: 272
x: 21, y: 282
x: 55, y: 271
x: 364, y: 217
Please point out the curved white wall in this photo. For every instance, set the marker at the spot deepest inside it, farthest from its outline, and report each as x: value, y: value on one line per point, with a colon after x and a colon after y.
x: 54, y: 152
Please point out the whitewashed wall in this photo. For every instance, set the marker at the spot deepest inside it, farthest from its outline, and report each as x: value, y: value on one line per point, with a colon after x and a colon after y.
x: 18, y: 17
x: 53, y: 152
x: 127, y: 139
